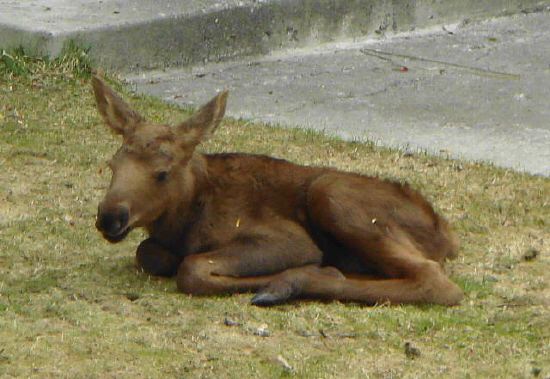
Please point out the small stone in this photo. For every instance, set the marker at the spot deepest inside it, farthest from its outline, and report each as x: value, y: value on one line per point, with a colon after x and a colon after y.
x: 229, y: 322
x: 536, y: 371
x: 287, y: 367
x: 132, y: 296
x: 262, y: 331
x: 530, y: 254
x: 69, y: 220
x: 410, y: 351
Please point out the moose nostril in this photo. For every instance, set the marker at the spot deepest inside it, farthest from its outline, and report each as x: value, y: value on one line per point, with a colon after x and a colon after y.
x: 107, y: 222
x: 113, y: 221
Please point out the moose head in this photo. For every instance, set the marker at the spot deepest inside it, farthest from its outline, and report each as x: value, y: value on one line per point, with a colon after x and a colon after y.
x: 153, y: 169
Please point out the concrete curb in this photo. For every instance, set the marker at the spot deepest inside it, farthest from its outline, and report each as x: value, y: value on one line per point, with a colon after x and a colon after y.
x: 141, y: 34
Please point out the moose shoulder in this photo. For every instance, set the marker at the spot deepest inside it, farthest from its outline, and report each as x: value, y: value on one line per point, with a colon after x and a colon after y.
x: 227, y: 223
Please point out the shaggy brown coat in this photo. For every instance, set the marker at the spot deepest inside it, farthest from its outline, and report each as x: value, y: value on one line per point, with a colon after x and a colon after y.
x: 227, y: 223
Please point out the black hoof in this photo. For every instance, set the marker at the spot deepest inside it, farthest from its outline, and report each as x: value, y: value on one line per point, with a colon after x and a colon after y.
x: 267, y: 299
x: 277, y: 292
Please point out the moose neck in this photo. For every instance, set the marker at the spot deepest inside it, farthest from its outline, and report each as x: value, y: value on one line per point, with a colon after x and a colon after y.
x: 170, y: 228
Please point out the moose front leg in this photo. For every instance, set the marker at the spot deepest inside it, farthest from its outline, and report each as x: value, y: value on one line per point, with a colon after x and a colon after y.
x: 250, y: 262
x: 155, y: 259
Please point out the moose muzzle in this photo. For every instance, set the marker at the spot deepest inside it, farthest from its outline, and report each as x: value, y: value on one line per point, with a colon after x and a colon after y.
x: 112, y: 222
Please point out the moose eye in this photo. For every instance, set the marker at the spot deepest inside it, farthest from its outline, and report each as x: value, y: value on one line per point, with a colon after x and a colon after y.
x: 161, y: 176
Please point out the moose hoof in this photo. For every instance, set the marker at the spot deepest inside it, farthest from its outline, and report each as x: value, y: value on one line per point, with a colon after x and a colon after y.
x: 292, y: 283
x: 276, y: 293
x: 266, y: 299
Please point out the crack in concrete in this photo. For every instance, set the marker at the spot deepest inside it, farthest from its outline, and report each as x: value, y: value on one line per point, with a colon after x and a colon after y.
x: 474, y: 70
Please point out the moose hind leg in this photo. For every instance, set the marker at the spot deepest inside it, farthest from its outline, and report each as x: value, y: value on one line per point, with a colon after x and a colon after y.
x: 419, y: 281
x: 340, y: 208
x: 422, y: 281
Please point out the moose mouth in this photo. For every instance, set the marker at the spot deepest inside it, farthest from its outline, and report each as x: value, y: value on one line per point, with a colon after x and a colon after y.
x: 117, y: 237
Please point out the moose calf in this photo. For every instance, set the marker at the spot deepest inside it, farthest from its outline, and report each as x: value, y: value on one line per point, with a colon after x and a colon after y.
x: 228, y: 223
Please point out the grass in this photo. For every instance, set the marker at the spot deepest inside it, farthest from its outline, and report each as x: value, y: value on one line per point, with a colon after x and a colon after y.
x: 72, y: 305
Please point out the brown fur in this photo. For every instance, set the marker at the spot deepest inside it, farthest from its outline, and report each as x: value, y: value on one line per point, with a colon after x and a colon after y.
x: 226, y: 223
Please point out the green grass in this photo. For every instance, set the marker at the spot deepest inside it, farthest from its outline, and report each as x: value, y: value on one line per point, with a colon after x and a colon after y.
x: 72, y: 305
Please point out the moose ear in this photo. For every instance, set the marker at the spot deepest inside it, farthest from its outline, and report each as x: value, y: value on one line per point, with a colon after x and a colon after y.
x: 203, y: 122
x: 115, y: 112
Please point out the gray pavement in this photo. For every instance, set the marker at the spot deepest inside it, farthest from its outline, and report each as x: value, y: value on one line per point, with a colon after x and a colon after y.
x: 138, y: 34
x: 478, y: 91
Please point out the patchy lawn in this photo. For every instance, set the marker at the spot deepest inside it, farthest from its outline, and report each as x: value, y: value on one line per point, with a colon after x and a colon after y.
x: 73, y: 305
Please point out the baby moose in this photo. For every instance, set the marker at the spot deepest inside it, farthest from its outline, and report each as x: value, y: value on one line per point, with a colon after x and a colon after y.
x: 228, y: 223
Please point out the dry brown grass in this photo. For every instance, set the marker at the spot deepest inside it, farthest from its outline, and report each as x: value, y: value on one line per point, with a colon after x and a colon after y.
x: 72, y: 305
